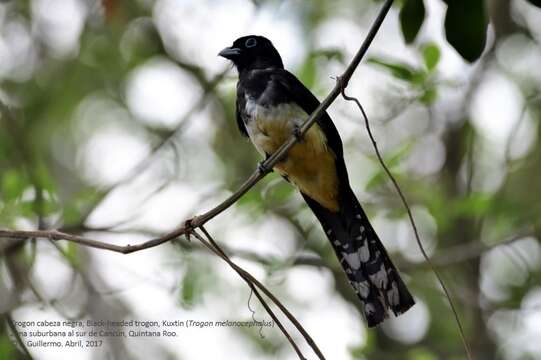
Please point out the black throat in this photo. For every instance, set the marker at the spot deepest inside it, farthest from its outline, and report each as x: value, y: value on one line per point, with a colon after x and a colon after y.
x: 258, y: 64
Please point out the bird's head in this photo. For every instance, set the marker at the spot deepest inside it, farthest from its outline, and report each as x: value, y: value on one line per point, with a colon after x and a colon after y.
x: 252, y: 52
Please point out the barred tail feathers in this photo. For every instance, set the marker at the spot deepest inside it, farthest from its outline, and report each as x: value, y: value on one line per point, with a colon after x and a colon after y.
x: 364, y: 259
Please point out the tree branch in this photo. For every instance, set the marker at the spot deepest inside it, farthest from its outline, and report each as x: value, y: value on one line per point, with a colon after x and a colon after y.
x: 198, y: 221
x: 256, y: 176
x: 215, y: 248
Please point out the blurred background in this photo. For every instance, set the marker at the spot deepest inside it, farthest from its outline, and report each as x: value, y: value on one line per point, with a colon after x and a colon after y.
x: 118, y: 123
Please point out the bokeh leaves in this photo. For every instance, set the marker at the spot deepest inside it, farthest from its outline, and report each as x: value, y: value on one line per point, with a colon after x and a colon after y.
x: 465, y: 24
x: 421, y: 79
x: 412, y: 17
x: 466, y: 27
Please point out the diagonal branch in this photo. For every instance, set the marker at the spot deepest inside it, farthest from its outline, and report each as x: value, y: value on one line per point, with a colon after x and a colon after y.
x: 197, y: 222
x: 256, y: 176
x: 215, y: 248
x: 277, y: 302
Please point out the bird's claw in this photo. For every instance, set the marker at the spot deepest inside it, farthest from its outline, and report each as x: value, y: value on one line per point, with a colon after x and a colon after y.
x: 263, y: 168
x: 297, y: 133
x: 188, y: 229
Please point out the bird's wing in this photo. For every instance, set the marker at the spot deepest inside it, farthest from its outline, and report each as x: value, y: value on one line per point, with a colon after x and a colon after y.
x: 303, y: 97
x: 308, y: 102
x: 240, y: 104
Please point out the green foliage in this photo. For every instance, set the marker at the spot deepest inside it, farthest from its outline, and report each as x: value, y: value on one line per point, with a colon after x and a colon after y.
x: 412, y: 16
x: 465, y: 24
x: 398, y: 69
x: 466, y: 27
x: 71, y: 253
x: 265, y: 342
x: 190, y: 292
x: 308, y: 70
x: 429, y: 95
x: 7, y: 349
x: 197, y: 280
x: 252, y: 203
x: 74, y: 208
x: 42, y: 178
x: 431, y: 55
x: 392, y: 160
x: 13, y: 185
x: 420, y: 353
x: 420, y: 79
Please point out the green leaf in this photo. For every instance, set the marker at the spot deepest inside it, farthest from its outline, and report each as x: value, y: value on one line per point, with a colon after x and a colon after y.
x: 76, y: 206
x: 412, y: 16
x: 475, y: 205
x: 307, y: 72
x: 7, y: 349
x: 429, y: 96
x: 535, y: 3
x: 189, y: 290
x: 43, y: 178
x: 391, y: 160
x: 358, y: 351
x: 196, y: 281
x: 431, y: 55
x: 420, y: 353
x: 466, y: 27
x: 71, y: 214
x: 399, y: 70
x: 331, y: 53
x: 13, y: 185
x: 377, y: 180
x: 253, y: 202
x: 71, y: 253
x: 276, y: 192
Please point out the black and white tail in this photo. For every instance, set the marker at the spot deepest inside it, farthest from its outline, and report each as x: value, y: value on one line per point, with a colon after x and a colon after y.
x: 364, y: 259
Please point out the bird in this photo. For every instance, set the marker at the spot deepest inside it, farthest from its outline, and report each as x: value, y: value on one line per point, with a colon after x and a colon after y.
x: 271, y: 105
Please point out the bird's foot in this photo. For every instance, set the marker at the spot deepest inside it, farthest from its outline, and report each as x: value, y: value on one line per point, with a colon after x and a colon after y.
x: 263, y: 168
x: 188, y: 229
x: 297, y: 133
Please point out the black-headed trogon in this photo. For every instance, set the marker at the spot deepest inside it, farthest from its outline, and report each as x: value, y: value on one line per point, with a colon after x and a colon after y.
x: 271, y: 104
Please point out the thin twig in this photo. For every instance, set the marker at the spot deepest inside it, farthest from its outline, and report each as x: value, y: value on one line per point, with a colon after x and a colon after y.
x: 275, y: 318
x: 412, y: 221
x: 257, y: 175
x: 197, y: 222
x: 277, y: 302
x: 252, y: 311
x: 212, y: 246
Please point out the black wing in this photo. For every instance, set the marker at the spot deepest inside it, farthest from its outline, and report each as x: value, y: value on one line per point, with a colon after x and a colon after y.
x: 239, y: 107
x: 308, y: 102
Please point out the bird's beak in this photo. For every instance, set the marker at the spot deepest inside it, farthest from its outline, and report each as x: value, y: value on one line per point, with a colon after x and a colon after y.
x: 229, y: 52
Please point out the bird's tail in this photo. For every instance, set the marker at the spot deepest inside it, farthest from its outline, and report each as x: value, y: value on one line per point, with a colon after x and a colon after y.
x: 364, y: 259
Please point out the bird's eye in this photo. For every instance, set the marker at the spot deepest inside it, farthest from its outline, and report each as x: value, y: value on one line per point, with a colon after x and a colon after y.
x: 251, y: 42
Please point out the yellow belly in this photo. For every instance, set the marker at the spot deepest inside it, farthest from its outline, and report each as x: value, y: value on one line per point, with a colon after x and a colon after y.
x: 309, y: 165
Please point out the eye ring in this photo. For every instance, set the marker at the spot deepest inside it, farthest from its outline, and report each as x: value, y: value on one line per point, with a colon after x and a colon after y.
x: 250, y: 43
